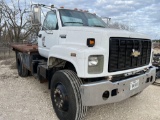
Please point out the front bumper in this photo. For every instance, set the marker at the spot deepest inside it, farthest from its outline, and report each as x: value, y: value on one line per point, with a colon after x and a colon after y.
x: 92, y: 94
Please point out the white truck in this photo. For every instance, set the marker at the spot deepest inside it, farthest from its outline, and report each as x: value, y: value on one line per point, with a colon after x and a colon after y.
x: 85, y: 63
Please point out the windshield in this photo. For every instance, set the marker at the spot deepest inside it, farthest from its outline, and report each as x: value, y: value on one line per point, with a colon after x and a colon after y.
x: 77, y: 18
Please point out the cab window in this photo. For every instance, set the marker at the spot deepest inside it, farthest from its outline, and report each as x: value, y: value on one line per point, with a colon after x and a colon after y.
x: 78, y: 18
x: 50, y: 22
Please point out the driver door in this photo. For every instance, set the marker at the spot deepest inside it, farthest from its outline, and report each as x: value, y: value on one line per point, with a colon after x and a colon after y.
x: 49, y: 33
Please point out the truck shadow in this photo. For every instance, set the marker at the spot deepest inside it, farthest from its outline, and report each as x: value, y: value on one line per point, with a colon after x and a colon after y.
x: 116, y: 111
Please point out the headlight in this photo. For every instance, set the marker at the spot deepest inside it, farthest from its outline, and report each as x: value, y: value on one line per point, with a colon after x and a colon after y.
x: 95, y: 64
x: 93, y: 61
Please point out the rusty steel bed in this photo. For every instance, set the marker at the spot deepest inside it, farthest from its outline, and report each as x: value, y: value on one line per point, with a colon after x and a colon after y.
x: 25, y: 48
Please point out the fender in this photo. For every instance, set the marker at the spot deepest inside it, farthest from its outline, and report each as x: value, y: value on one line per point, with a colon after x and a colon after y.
x: 71, y: 53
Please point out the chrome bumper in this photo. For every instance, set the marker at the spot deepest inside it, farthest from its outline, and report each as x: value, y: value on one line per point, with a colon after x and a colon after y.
x: 92, y: 93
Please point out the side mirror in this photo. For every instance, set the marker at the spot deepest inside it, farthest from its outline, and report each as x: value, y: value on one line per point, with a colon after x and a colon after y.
x: 36, y: 18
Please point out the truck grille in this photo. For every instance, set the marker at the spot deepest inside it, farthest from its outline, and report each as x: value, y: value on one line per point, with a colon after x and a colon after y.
x: 120, y: 53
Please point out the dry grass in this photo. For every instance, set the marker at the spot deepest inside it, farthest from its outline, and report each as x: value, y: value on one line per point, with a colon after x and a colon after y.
x: 6, y: 55
x: 9, y: 61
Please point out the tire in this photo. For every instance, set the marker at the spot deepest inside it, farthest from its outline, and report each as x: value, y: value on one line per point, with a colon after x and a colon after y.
x: 22, y: 71
x: 39, y: 76
x: 66, y: 85
x: 157, y: 74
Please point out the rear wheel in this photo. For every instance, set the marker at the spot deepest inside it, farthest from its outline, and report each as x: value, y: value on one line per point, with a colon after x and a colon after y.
x: 65, y: 95
x: 22, y: 71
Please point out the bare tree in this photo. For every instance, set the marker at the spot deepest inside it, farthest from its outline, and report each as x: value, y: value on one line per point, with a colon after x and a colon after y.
x: 16, y: 20
x: 118, y: 25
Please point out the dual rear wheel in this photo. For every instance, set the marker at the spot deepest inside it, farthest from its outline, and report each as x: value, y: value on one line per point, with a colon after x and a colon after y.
x: 22, y: 70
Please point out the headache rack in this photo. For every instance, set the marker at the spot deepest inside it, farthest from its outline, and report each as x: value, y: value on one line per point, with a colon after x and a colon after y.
x: 120, y: 53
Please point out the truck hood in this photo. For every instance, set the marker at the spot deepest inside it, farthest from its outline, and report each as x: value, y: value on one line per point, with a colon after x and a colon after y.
x: 110, y: 32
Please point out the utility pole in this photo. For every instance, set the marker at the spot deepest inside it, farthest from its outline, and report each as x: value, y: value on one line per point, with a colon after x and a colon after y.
x: 107, y: 20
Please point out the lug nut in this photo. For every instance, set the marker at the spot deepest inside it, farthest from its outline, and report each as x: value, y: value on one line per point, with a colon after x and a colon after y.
x: 60, y: 105
x: 56, y: 91
x: 59, y: 91
x: 60, y: 96
x: 62, y: 101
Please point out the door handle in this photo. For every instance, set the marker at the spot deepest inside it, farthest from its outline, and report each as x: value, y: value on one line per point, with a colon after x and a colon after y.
x: 63, y: 36
x: 40, y: 35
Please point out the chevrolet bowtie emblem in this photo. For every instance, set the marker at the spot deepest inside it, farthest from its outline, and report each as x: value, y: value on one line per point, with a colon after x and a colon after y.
x: 135, y: 53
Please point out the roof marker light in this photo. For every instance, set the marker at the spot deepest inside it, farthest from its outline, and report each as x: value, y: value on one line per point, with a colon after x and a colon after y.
x: 52, y: 6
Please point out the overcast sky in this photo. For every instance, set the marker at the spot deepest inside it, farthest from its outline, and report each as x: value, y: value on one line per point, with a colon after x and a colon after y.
x: 142, y: 15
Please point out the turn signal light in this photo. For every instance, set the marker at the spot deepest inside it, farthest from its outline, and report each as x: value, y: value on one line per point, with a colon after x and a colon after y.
x: 90, y: 42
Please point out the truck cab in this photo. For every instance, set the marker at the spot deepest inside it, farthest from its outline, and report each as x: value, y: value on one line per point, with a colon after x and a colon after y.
x: 66, y: 31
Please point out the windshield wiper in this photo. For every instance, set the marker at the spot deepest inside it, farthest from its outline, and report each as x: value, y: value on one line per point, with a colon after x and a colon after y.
x: 74, y: 22
x: 98, y: 26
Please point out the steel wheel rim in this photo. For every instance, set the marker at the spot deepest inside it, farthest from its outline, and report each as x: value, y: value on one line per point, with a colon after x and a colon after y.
x: 61, y: 97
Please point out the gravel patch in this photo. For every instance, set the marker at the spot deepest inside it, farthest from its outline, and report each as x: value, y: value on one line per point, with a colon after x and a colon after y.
x: 28, y: 99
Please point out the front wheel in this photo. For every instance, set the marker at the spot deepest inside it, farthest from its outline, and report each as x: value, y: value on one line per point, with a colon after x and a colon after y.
x: 66, y: 97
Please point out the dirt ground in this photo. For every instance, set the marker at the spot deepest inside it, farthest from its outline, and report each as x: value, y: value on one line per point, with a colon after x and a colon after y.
x: 27, y: 99
x: 156, y: 50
